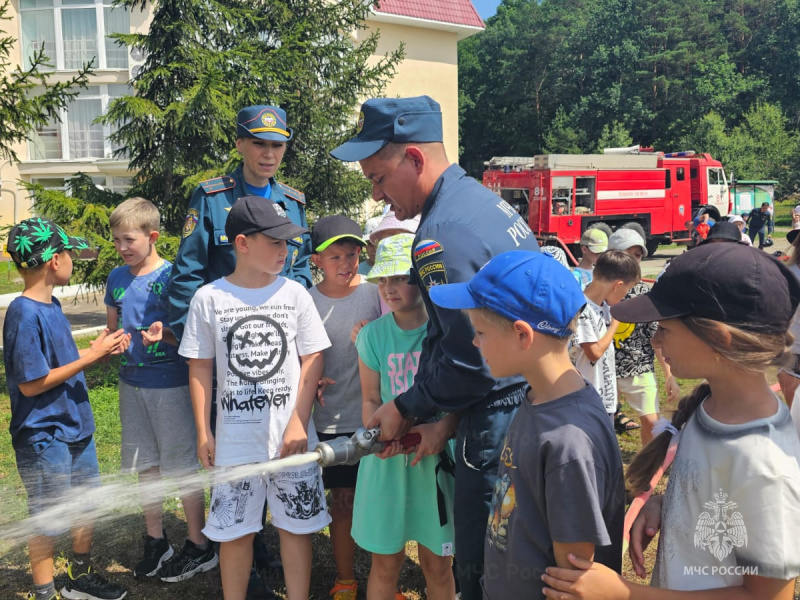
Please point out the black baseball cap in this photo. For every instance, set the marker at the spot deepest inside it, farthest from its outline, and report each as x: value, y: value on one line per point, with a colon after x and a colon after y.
x: 254, y: 214
x: 732, y: 283
x: 35, y: 241
x: 723, y: 231
x: 336, y: 227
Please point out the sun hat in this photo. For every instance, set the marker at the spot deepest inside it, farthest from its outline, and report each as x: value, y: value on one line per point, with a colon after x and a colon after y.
x: 393, y: 257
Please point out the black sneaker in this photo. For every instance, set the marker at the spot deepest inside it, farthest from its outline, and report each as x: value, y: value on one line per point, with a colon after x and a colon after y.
x: 156, y: 551
x: 91, y: 586
x: 191, y: 560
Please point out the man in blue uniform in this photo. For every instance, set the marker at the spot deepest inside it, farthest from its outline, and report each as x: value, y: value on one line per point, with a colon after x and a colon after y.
x: 205, y: 253
x: 463, y: 225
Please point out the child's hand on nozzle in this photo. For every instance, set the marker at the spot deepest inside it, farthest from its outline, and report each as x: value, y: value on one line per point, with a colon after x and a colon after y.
x: 153, y: 334
x: 434, y: 437
x: 323, y: 383
x: 391, y: 449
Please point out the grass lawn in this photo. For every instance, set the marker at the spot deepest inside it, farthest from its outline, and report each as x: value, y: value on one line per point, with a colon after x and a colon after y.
x: 117, y: 546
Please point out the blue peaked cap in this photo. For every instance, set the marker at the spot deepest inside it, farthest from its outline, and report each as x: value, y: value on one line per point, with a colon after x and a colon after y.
x: 384, y: 120
x: 263, y: 122
x: 521, y: 286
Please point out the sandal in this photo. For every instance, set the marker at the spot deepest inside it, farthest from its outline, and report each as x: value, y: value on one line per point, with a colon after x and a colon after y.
x: 344, y: 589
x: 623, y: 424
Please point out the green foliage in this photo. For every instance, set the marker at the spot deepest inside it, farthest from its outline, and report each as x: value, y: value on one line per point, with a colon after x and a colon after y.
x: 207, y: 60
x: 28, y: 99
x: 721, y: 76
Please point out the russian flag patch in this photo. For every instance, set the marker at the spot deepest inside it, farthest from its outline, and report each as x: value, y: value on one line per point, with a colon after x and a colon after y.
x: 427, y: 248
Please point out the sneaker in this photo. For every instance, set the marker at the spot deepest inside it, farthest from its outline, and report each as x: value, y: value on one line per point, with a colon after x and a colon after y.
x: 190, y: 561
x: 91, y: 586
x: 344, y: 589
x: 156, y: 551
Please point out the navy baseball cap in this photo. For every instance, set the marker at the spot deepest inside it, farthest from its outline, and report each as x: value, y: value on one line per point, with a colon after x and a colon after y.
x: 521, y: 286
x: 264, y: 123
x: 254, y: 214
x: 731, y: 283
x: 384, y: 120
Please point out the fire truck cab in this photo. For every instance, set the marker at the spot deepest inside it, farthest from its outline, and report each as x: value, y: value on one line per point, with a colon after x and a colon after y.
x: 563, y: 195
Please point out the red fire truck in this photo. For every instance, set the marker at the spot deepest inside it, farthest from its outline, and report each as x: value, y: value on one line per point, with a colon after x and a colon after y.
x: 563, y: 195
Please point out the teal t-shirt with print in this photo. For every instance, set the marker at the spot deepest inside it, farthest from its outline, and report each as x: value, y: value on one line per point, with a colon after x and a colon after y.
x: 140, y: 301
x: 395, y: 503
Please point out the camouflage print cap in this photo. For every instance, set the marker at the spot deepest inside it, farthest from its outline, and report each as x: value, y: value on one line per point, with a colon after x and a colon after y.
x: 35, y: 241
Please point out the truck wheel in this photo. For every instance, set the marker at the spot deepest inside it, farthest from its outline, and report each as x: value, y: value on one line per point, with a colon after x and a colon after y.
x: 638, y: 229
x: 652, y: 246
x: 602, y: 227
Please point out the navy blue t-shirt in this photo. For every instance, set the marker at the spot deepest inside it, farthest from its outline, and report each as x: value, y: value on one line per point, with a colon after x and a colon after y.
x: 140, y: 301
x: 37, y: 339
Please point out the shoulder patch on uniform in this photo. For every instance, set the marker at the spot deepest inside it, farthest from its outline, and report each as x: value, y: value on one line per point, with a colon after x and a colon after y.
x: 292, y: 193
x: 191, y: 222
x: 427, y: 248
x: 433, y: 273
x: 218, y: 184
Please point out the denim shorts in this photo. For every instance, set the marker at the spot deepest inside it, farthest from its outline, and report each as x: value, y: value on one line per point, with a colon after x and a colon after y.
x: 51, y: 470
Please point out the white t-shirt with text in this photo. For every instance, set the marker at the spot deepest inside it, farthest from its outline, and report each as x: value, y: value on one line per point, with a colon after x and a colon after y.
x: 257, y: 336
x: 592, y: 325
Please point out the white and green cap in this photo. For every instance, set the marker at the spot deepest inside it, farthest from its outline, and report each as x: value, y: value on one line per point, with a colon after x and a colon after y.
x: 393, y: 257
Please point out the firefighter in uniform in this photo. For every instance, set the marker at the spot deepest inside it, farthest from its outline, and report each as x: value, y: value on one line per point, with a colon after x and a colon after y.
x: 463, y: 225
x: 205, y: 252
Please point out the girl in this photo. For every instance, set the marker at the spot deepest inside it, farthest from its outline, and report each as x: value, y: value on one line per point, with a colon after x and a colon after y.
x: 730, y: 517
x: 789, y: 378
x: 396, y: 502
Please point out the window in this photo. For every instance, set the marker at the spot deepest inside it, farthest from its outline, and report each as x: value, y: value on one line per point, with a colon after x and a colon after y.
x: 74, y: 32
x: 681, y: 174
x: 77, y: 136
x: 119, y: 185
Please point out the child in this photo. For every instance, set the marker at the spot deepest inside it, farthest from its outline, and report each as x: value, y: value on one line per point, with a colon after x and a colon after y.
x: 158, y: 433
x: 634, y: 355
x: 52, y: 425
x: 615, y: 273
x: 559, y: 488
x: 267, y: 339
x: 396, y: 502
x: 593, y: 243
x: 729, y: 519
x: 342, y: 299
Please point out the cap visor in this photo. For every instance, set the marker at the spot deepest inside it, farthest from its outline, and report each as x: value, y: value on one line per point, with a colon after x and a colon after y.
x: 355, y: 149
x: 790, y: 237
x: 453, y: 295
x: 336, y: 238
x: 284, y: 232
x: 393, y: 268
x: 272, y: 136
x: 76, y: 243
x: 645, y: 309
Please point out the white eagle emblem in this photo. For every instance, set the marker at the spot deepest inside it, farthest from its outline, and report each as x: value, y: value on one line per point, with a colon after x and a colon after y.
x: 718, y: 532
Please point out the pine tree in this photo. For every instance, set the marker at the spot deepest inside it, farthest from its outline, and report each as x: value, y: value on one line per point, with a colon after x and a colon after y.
x: 205, y: 60
x: 21, y: 112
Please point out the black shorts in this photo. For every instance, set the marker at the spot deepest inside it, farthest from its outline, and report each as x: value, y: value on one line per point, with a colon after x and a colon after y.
x: 342, y: 476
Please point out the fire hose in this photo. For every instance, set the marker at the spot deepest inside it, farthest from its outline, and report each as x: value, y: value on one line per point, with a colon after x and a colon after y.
x: 349, y: 450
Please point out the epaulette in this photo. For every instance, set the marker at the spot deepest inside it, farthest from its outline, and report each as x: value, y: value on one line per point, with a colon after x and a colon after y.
x: 292, y: 193
x: 218, y: 184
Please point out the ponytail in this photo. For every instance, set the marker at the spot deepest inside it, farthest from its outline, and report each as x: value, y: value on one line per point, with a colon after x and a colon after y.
x: 650, y: 458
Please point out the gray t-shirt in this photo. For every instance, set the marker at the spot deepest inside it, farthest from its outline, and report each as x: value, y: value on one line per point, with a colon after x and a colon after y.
x: 560, y: 478
x: 342, y: 410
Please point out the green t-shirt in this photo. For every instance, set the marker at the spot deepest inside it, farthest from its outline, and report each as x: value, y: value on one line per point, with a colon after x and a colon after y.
x: 395, y: 503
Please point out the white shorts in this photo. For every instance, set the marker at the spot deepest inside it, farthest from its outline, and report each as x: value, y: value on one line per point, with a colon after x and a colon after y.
x: 641, y: 392
x: 295, y: 497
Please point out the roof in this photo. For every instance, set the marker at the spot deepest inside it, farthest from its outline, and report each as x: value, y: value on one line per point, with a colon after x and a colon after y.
x: 456, y: 12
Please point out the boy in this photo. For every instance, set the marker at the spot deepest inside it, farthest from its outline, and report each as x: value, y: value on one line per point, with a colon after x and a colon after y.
x: 634, y: 354
x: 593, y: 243
x: 52, y: 425
x: 342, y: 299
x: 267, y: 339
x: 158, y: 433
x: 559, y: 488
x: 591, y: 351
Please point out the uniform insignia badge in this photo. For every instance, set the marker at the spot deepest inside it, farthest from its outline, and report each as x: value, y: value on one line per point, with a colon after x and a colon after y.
x: 433, y: 274
x: 269, y: 120
x: 228, y: 208
x: 427, y: 248
x: 191, y: 222
x: 223, y: 239
x: 279, y: 209
x: 360, y: 124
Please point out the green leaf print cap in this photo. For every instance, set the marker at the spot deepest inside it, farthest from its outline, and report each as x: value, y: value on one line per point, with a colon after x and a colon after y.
x: 34, y: 241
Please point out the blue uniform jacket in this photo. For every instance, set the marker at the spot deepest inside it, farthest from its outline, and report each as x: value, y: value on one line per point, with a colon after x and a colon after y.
x: 206, y: 254
x: 463, y: 225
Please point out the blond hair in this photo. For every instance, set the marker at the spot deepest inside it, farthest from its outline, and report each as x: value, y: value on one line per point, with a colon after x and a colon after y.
x: 136, y: 213
x: 750, y: 350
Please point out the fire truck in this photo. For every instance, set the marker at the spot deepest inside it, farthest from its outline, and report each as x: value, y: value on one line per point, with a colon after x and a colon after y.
x: 563, y: 195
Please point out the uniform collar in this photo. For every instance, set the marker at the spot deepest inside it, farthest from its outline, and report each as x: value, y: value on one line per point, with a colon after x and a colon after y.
x: 451, y: 173
x: 238, y: 176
